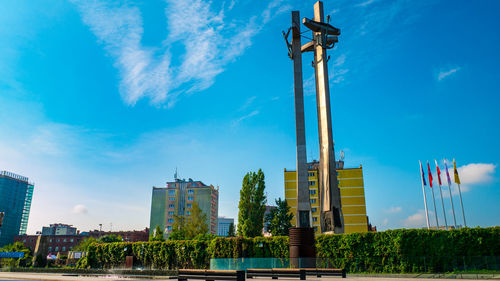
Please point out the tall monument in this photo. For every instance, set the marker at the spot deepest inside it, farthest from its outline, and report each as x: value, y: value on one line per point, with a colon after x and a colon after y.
x: 324, y: 37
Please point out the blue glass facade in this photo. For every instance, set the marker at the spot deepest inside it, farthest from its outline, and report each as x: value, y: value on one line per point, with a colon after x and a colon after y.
x: 15, y: 201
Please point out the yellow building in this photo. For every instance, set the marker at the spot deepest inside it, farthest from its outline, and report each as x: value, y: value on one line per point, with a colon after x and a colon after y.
x: 352, y: 196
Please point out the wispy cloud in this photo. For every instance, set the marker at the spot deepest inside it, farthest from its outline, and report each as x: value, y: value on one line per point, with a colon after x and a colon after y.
x: 244, y: 117
x: 415, y: 220
x: 210, y: 41
x: 80, y: 209
x: 394, y: 210
x: 446, y: 73
x: 365, y: 3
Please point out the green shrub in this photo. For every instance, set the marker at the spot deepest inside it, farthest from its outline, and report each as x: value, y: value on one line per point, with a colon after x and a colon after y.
x: 391, y: 251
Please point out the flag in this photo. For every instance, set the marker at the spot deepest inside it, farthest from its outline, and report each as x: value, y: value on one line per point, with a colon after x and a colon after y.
x: 447, y: 174
x: 430, y: 174
x: 455, y: 171
x: 438, y: 173
x: 423, y: 175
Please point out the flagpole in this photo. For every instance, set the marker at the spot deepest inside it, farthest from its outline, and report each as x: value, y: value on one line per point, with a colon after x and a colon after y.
x: 452, y: 208
x: 442, y: 204
x: 435, y: 210
x: 423, y: 190
x: 461, y: 204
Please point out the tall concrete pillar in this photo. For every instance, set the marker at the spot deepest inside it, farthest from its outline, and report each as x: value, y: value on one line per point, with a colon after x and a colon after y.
x: 331, y: 212
x: 303, y: 215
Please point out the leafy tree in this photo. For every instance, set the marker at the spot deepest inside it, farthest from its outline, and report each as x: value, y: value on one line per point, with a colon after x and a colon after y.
x: 191, y: 226
x: 17, y: 247
x: 230, y: 232
x: 279, y: 218
x: 252, y: 205
x: 84, y: 245
x: 157, y: 235
x: 178, y: 228
x: 110, y: 238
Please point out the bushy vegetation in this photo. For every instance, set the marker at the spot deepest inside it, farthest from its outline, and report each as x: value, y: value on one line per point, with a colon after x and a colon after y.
x: 16, y: 262
x: 392, y: 251
x: 412, y: 250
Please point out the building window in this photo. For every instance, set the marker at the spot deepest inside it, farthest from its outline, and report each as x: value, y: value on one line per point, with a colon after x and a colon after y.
x: 171, y: 206
x: 64, y: 240
x: 170, y: 213
x: 57, y: 248
x: 63, y: 248
x: 171, y: 192
x: 171, y: 198
x: 70, y: 248
x: 71, y: 239
x: 190, y: 198
x: 189, y: 205
x: 58, y: 240
x: 312, y: 192
x: 170, y: 220
x: 312, y: 183
x: 315, y: 219
x: 188, y: 213
x: 50, y: 240
x: 50, y: 249
x: 24, y: 240
x: 315, y: 229
x: 314, y: 210
x: 313, y: 201
x: 190, y: 191
x: 169, y: 227
x: 311, y: 174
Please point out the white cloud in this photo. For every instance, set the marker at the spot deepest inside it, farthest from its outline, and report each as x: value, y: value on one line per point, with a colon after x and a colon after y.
x: 80, y: 209
x: 365, y: 3
x: 385, y: 222
x: 476, y: 173
x: 249, y: 115
x: 394, y: 210
x: 416, y: 220
x: 445, y: 73
x: 210, y: 42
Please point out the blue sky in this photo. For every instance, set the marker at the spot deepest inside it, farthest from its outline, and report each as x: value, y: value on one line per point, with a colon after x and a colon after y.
x: 101, y: 100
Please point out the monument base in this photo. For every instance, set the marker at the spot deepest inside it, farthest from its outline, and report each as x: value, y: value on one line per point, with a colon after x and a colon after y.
x: 302, y: 248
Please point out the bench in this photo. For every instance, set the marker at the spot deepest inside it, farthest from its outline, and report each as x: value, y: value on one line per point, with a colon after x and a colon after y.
x: 275, y: 273
x: 325, y: 272
x: 210, y: 275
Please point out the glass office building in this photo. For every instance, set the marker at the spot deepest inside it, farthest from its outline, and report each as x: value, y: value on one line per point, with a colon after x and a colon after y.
x: 16, y: 193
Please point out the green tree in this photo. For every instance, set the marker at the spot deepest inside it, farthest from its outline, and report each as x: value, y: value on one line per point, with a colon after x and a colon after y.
x: 190, y: 226
x: 110, y: 238
x: 157, y: 235
x: 230, y: 232
x: 252, y: 205
x: 84, y: 245
x: 16, y: 262
x: 279, y: 219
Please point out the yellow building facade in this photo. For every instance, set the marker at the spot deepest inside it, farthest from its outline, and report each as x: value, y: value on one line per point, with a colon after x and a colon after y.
x: 352, y: 196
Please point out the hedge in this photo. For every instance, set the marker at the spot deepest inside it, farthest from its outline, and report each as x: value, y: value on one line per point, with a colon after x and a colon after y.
x: 412, y: 250
x: 392, y: 251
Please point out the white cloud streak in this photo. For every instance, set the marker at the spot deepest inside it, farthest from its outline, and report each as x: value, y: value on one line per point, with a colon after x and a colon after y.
x: 415, y: 220
x: 446, y: 73
x: 394, y: 210
x: 210, y: 41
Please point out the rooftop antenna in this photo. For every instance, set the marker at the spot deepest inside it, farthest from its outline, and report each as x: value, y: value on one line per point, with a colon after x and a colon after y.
x: 342, y: 155
x: 175, y: 174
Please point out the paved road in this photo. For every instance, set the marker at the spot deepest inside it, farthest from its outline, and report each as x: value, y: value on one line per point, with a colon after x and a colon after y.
x: 70, y: 277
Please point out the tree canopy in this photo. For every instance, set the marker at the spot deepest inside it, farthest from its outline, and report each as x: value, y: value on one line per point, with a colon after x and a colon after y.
x: 279, y: 219
x: 157, y: 235
x: 252, y: 205
x: 231, y: 232
x: 189, y: 226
